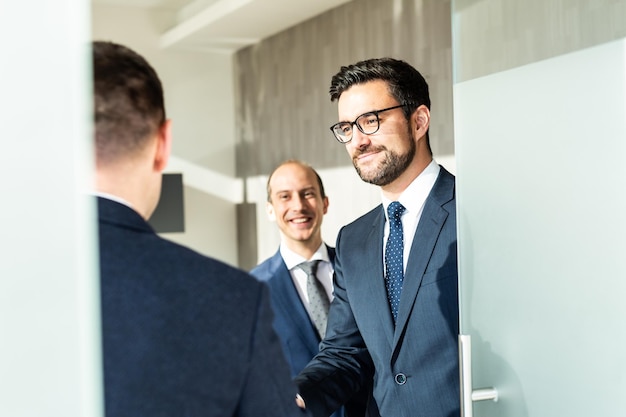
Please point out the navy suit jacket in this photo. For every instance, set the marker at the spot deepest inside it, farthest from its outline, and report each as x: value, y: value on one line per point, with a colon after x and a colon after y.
x: 183, y: 334
x: 414, y: 364
x: 295, y: 329
x: 299, y: 338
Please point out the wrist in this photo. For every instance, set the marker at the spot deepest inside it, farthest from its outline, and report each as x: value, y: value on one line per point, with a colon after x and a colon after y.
x: 300, y: 402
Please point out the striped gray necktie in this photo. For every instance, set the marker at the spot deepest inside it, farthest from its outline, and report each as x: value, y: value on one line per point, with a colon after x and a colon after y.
x: 318, y: 299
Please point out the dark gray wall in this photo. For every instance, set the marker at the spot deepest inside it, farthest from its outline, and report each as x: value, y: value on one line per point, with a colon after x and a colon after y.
x: 283, y: 106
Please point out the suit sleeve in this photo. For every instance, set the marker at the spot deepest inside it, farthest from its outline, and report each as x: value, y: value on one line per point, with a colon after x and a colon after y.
x: 269, y: 390
x: 343, y: 365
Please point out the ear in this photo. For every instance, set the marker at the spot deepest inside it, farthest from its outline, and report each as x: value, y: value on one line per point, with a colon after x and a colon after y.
x: 420, y: 121
x: 164, y: 146
x: 271, y: 214
x: 325, y: 205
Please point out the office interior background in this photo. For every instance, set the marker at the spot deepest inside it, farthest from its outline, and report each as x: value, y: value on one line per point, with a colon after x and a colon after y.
x: 242, y: 102
x: 246, y: 86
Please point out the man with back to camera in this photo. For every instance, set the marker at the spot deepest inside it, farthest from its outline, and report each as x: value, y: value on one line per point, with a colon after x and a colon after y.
x: 297, y: 202
x: 395, y: 313
x: 182, y: 334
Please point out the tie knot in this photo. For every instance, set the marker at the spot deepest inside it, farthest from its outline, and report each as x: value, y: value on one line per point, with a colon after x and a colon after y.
x: 310, y: 267
x: 395, y: 210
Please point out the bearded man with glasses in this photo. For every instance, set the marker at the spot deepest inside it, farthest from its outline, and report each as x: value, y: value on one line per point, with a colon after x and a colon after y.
x: 394, y: 318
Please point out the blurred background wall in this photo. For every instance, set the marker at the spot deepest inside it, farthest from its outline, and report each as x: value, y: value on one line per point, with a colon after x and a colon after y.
x: 247, y: 86
x: 241, y: 104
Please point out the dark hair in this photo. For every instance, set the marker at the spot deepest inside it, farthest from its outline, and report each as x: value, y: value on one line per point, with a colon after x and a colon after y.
x: 128, y: 101
x: 302, y: 164
x: 405, y: 83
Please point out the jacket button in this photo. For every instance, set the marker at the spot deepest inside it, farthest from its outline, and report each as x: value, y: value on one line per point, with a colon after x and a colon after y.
x: 400, y: 379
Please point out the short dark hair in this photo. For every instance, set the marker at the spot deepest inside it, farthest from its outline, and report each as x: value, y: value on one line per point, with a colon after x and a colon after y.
x: 128, y: 101
x: 302, y: 164
x: 405, y: 83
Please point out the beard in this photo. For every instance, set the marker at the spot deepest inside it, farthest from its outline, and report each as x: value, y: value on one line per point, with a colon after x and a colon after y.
x: 390, y: 168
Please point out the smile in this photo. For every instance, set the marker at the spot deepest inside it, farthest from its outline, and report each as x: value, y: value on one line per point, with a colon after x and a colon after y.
x: 366, y: 155
x: 301, y: 220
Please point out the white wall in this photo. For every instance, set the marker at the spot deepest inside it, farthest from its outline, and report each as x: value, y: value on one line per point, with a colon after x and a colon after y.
x: 200, y: 101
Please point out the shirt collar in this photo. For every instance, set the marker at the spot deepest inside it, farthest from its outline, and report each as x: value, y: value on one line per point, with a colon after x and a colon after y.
x: 414, y: 196
x: 113, y: 198
x: 292, y: 259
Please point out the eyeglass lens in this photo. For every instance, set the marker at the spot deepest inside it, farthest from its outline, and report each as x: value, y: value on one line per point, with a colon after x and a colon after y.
x: 366, y: 123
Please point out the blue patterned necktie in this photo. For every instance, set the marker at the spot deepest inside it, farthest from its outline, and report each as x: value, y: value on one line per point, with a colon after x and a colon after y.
x: 394, y: 273
x: 318, y: 299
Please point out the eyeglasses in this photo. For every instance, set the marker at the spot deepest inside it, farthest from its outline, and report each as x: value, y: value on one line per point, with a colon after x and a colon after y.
x: 368, y: 123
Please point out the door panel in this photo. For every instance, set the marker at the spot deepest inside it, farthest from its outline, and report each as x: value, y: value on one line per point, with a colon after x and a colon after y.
x: 541, y: 174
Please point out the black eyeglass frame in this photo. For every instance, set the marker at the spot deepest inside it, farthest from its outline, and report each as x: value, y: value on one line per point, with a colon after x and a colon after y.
x: 354, y: 123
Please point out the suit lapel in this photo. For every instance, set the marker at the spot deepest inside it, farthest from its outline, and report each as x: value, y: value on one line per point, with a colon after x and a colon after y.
x: 331, y: 254
x: 426, y: 236
x: 289, y: 302
x: 373, y: 266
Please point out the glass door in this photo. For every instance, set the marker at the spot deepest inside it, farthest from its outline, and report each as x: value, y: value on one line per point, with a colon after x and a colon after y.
x: 541, y: 177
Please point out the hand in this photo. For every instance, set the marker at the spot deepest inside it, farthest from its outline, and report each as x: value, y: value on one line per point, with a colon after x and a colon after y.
x: 300, y: 402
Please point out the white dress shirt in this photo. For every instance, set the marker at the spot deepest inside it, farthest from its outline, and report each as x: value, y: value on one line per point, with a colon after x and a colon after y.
x: 113, y: 197
x: 413, y: 199
x: 324, y: 271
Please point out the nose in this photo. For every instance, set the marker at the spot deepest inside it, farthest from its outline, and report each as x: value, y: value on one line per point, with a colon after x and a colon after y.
x: 359, y: 139
x: 297, y: 202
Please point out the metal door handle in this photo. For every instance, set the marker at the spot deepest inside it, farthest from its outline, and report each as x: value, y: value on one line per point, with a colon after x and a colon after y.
x: 468, y: 395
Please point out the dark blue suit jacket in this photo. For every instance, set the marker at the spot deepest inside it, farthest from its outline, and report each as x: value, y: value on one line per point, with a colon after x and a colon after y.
x: 183, y: 334
x: 299, y: 338
x: 297, y: 333
x: 415, y: 362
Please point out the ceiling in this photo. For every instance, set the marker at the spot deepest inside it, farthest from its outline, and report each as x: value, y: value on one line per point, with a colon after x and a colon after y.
x: 228, y: 25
